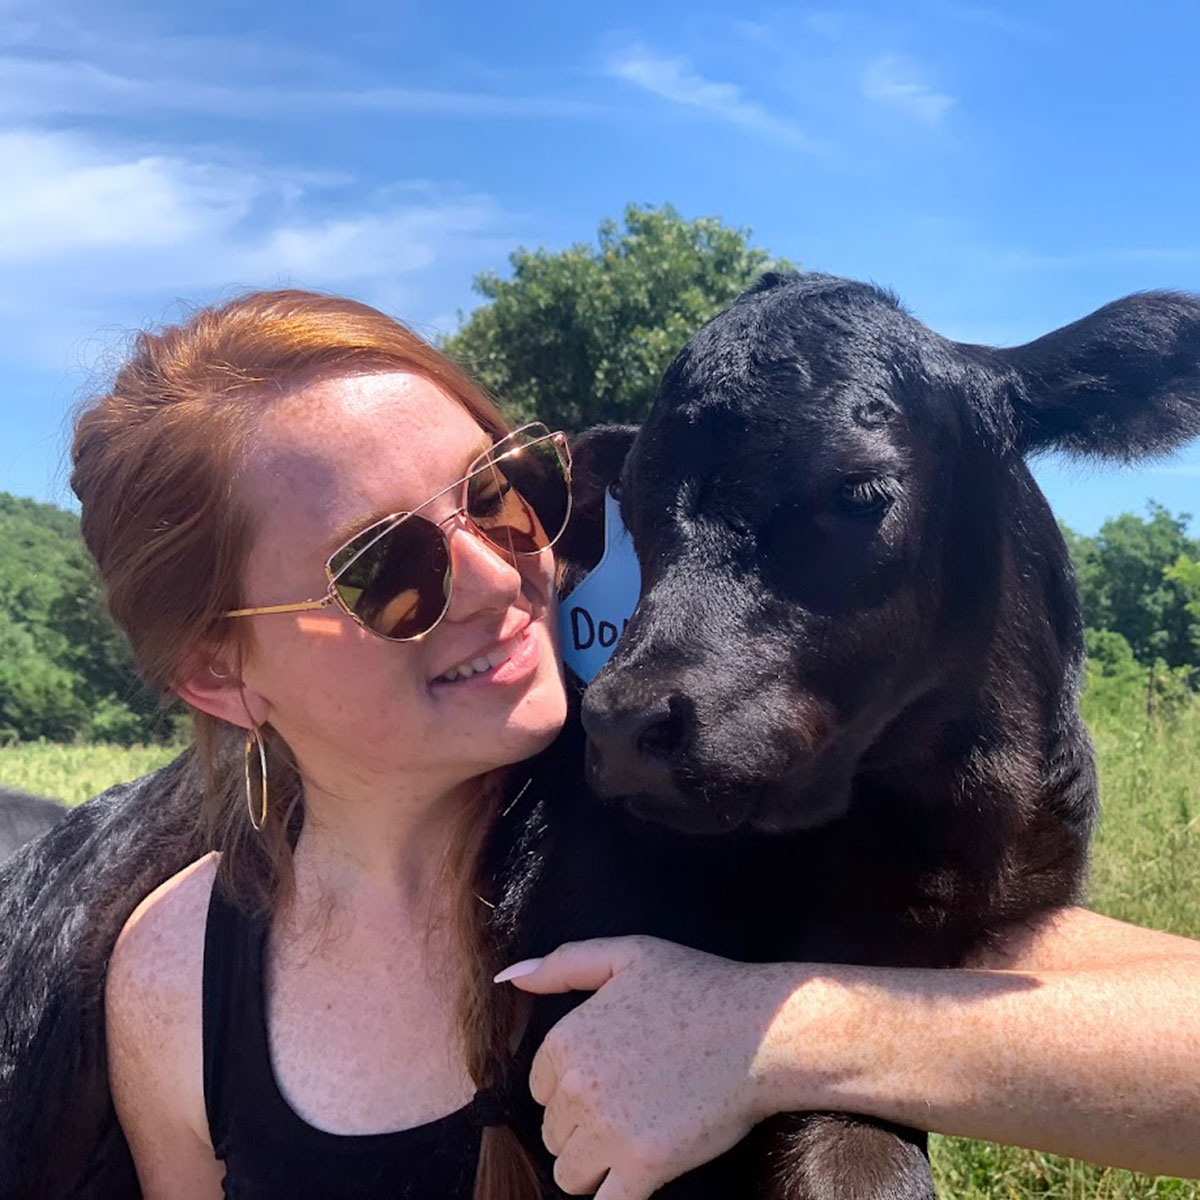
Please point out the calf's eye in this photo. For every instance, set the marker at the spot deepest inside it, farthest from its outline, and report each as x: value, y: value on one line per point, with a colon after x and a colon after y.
x: 869, y: 496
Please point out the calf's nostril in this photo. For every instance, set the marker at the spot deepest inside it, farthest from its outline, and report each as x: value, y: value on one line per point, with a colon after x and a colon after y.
x: 654, y: 730
x: 633, y: 748
x: 662, y: 733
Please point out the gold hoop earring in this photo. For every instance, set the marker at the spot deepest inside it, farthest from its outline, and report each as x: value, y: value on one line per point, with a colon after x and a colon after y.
x: 254, y: 742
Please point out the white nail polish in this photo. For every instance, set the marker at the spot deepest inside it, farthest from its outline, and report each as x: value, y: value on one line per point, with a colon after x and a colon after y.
x: 527, y: 967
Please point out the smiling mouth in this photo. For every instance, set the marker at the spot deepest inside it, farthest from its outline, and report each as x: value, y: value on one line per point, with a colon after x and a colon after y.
x: 488, y: 661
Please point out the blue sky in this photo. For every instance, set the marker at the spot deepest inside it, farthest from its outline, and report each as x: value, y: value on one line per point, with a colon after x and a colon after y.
x: 1005, y: 168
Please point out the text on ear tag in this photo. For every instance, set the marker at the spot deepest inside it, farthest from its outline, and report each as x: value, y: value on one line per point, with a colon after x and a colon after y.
x: 594, y: 614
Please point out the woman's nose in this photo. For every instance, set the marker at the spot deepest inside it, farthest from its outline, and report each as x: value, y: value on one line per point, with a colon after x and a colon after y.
x: 483, y: 577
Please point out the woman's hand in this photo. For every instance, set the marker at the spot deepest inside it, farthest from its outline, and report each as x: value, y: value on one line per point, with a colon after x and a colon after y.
x: 661, y: 1070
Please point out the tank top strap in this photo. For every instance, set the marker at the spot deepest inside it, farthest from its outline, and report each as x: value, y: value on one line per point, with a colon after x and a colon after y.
x: 234, y: 1024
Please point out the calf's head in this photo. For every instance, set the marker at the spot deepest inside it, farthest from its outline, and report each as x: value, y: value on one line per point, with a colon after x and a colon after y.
x: 836, y: 530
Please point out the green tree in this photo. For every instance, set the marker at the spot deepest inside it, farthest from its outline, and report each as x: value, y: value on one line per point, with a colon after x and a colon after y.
x: 582, y: 336
x: 1127, y: 584
x: 121, y: 708
x: 1111, y: 655
x: 66, y: 671
x: 38, y: 698
x: 1184, y: 575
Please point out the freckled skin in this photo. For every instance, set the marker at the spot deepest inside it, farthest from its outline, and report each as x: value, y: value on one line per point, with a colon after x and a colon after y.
x: 349, y: 449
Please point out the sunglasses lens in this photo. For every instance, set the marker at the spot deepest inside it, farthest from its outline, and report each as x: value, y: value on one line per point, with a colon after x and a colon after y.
x: 396, y: 579
x: 397, y: 583
x: 521, y: 499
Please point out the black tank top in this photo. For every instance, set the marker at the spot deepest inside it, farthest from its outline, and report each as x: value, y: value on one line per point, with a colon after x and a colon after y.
x: 267, y: 1148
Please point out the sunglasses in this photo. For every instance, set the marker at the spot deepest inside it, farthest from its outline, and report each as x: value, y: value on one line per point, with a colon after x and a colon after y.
x: 395, y: 578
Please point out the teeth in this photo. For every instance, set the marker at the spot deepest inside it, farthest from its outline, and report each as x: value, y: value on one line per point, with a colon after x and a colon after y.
x: 485, y: 662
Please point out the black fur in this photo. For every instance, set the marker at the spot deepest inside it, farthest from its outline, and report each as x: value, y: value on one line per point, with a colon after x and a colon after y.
x: 23, y: 817
x: 841, y: 727
x: 63, y: 900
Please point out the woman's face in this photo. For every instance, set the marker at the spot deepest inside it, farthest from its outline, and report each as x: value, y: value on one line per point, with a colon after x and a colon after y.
x: 327, y: 462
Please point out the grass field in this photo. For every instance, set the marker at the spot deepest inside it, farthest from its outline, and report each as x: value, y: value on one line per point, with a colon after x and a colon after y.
x: 1146, y: 869
x: 73, y: 773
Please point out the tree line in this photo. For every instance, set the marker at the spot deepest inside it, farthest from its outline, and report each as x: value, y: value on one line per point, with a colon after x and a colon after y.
x: 66, y: 671
x: 576, y: 337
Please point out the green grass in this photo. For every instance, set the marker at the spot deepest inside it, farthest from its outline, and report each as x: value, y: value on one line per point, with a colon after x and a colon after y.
x: 73, y: 773
x: 1146, y: 869
x: 978, y: 1170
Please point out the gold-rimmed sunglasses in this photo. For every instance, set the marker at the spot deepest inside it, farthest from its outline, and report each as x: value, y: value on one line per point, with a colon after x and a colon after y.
x: 394, y: 578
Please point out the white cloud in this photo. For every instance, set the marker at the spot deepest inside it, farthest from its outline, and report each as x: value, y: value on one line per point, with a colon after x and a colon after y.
x: 185, y: 220
x: 63, y: 196
x: 673, y: 79
x: 92, y: 232
x: 108, y: 212
x: 396, y: 241
x: 895, y: 81
x: 35, y: 87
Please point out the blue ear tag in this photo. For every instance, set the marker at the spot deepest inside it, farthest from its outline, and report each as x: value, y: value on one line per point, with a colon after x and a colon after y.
x: 594, y: 615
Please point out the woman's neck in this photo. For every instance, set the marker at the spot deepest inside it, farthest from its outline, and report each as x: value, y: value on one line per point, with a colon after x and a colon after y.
x: 381, y: 847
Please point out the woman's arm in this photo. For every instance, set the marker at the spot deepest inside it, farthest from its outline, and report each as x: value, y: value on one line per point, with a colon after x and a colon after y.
x: 153, y: 1011
x: 1082, y: 1038
x: 1086, y: 1042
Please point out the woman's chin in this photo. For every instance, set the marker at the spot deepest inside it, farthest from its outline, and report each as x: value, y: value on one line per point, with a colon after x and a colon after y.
x: 535, y: 724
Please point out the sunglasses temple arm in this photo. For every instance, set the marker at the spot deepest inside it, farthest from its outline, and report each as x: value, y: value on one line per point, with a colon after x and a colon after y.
x: 303, y: 606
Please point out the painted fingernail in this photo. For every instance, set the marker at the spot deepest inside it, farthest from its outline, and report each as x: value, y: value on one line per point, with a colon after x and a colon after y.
x: 527, y: 967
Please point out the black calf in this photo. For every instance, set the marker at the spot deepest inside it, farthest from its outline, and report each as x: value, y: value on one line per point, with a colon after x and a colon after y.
x: 23, y: 817
x: 854, y: 667
x: 855, y: 661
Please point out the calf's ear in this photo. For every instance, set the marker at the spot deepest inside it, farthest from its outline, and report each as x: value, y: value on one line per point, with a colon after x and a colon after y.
x: 1123, y: 383
x: 597, y: 456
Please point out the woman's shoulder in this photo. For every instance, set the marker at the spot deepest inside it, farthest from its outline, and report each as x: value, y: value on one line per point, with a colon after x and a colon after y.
x: 154, y: 988
x: 154, y: 1017
x: 162, y: 944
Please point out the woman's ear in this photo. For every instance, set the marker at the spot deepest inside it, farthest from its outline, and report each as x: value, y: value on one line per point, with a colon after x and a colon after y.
x: 214, y: 685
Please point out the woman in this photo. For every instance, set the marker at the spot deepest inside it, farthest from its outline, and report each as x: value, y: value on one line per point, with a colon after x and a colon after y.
x: 319, y: 1020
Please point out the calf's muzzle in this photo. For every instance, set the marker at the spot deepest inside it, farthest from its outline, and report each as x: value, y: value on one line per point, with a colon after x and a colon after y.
x: 633, y: 740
